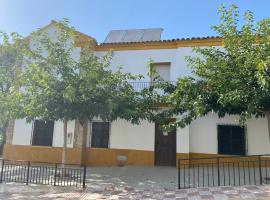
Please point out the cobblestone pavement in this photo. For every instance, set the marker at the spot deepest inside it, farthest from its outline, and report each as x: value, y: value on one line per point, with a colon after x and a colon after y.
x: 19, y: 191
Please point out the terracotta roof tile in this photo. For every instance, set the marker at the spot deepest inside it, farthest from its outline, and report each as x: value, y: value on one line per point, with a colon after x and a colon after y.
x: 163, y: 41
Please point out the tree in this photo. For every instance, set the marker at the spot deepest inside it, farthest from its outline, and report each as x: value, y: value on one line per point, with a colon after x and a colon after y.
x: 12, y: 50
x: 232, y: 79
x: 59, y: 87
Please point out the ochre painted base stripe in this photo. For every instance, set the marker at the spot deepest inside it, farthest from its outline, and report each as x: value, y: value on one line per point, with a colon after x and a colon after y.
x: 100, y: 156
x: 94, y: 156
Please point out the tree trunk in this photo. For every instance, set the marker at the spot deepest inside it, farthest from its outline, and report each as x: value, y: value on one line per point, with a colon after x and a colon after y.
x: 4, y: 137
x: 84, y: 124
x: 268, y: 123
x: 64, y: 151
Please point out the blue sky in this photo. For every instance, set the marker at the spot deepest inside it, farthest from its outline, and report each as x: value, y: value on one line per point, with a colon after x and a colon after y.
x: 179, y: 18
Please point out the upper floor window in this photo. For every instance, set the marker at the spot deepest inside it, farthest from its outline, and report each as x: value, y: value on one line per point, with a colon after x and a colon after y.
x: 43, y: 133
x: 163, y: 70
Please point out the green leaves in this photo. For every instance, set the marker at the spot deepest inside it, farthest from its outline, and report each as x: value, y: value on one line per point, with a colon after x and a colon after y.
x: 232, y: 79
x: 57, y: 86
x: 12, y: 51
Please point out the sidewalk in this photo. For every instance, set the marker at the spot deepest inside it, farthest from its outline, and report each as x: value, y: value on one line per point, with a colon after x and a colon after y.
x: 131, y: 183
x: 19, y: 191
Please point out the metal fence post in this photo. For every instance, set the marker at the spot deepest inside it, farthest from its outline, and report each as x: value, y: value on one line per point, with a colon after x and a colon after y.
x: 179, y: 175
x: 218, y: 171
x: 260, y: 169
x: 84, y: 175
x: 27, y: 175
x: 2, y: 171
x: 55, y: 174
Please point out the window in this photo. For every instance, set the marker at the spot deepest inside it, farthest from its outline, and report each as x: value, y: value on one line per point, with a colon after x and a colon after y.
x: 163, y: 70
x: 43, y: 133
x: 231, y: 140
x: 100, y: 134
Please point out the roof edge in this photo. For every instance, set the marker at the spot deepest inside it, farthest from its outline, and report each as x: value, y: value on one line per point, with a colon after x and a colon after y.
x: 161, y: 41
x: 162, y: 44
x: 82, y: 37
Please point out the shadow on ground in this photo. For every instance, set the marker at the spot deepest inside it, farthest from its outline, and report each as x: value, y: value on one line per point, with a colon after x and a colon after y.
x: 133, y: 177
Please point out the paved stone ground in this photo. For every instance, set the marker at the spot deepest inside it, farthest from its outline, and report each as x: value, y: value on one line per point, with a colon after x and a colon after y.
x: 19, y: 191
x: 131, y: 183
x: 130, y: 176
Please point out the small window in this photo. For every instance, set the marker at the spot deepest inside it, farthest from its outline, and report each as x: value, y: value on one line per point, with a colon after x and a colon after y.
x: 43, y: 133
x: 100, y: 134
x: 231, y: 140
x: 162, y: 70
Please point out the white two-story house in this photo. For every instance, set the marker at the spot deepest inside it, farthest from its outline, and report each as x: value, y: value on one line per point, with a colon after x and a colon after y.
x: 120, y: 142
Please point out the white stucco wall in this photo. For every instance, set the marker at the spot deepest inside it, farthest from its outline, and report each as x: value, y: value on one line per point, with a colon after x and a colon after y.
x: 22, y: 132
x: 58, y: 134
x: 203, y: 134
x: 182, y: 140
x: 199, y: 137
x: 135, y: 61
x: 125, y: 135
x: 257, y: 136
x: 52, y: 33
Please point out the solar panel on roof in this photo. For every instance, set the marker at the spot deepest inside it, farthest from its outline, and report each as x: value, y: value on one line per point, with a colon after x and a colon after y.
x: 133, y: 35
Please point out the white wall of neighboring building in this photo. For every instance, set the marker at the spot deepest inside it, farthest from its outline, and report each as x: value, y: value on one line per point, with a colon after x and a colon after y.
x: 124, y: 135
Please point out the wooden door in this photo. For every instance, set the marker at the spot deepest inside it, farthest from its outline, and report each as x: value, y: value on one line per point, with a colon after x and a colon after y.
x: 165, y: 147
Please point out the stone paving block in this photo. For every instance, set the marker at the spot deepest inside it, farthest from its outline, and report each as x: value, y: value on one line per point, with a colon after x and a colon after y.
x: 252, y: 188
x: 193, y: 193
x: 247, y: 195
x: 220, y: 196
x: 183, y: 195
x: 233, y: 195
x: 225, y: 188
x: 17, y: 191
x: 207, y: 192
x: 181, y: 191
x: 184, y: 198
x: 203, y: 189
